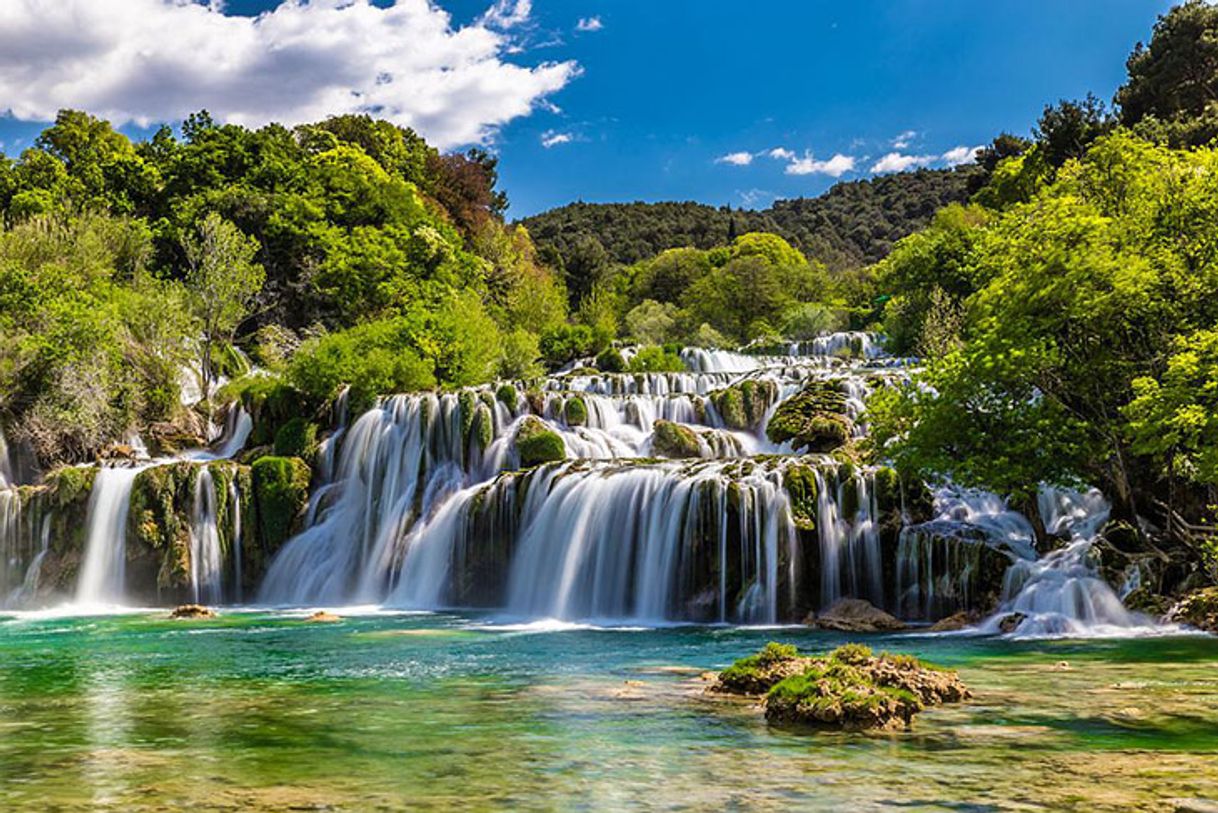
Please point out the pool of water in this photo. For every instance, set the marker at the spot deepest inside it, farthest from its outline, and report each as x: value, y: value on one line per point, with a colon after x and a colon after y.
x: 262, y: 711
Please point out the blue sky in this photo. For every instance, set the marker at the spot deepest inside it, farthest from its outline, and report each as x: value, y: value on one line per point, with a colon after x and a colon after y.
x: 720, y: 102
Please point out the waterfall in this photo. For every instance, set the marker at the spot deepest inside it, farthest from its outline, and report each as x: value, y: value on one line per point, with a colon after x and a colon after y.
x: 649, y: 543
x: 206, y: 575
x: 234, y: 507
x: 1061, y: 593
x: 850, y: 561
x: 103, y: 570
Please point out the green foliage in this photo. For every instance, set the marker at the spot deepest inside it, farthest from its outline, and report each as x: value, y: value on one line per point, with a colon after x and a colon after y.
x: 296, y: 438
x: 373, y: 358
x: 1173, y: 81
x: 652, y: 322
x: 1080, y: 292
x: 565, y: 343
x: 655, y: 359
x: 854, y: 223
x: 521, y: 351
x: 610, y: 360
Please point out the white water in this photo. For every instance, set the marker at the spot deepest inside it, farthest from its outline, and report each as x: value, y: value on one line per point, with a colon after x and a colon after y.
x: 104, y: 567
x: 206, y: 576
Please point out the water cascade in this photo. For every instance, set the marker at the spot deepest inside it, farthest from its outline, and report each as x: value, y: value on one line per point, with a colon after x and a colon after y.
x: 103, y: 570
x: 206, y: 580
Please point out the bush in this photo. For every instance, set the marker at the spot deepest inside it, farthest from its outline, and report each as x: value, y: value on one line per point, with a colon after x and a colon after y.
x: 565, y: 343
x: 610, y: 361
x: 373, y: 359
x: 655, y: 360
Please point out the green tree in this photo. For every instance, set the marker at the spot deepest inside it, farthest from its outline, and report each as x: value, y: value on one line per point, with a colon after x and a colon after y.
x: 223, y: 281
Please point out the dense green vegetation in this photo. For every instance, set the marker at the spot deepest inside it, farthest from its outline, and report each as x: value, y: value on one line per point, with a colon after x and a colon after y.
x: 853, y: 224
x: 1069, y: 317
x: 344, y: 252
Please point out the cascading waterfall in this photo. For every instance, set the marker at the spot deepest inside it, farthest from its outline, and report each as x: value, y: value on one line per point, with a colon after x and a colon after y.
x: 1062, y: 593
x: 206, y: 575
x: 104, y: 567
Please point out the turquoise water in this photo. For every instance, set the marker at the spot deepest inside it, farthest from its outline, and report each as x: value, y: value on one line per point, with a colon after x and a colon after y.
x: 262, y: 711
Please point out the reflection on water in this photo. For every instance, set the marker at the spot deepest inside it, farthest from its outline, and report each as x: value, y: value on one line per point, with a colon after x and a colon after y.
x: 265, y: 712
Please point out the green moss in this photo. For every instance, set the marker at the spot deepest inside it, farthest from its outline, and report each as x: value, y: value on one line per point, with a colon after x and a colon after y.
x: 296, y: 438
x: 536, y: 443
x: 744, y: 405
x: 800, y: 482
x: 575, y: 411
x: 674, y: 440
x: 815, y: 419
x: 70, y: 484
x: 507, y: 395
x: 483, y: 430
x: 755, y: 674
x: 281, y: 491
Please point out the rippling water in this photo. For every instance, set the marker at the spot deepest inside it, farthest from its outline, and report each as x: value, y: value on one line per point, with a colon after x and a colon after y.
x: 259, y: 711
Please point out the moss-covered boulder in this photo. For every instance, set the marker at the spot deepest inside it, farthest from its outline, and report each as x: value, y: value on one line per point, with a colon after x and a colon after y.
x: 814, y: 420
x: 296, y: 438
x: 757, y: 674
x: 575, y: 411
x: 507, y: 395
x: 800, y: 482
x: 536, y: 443
x: 744, y: 405
x: 281, y: 492
x: 1198, y: 609
x: 674, y: 440
x: 610, y: 360
x: 482, y: 431
x: 849, y: 688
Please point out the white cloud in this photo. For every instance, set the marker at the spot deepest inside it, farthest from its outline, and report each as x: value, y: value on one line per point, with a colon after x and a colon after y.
x: 736, y: 159
x: 552, y: 139
x: 589, y: 24
x: 781, y: 153
x: 899, y: 162
x: 834, y: 167
x: 147, y: 61
x: 960, y: 155
x: 507, y: 13
x: 904, y: 139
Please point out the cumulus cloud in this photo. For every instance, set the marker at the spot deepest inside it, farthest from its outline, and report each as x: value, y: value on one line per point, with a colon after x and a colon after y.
x: 736, y: 159
x: 589, y: 24
x: 550, y: 138
x: 834, y: 167
x: 781, y: 153
x: 899, y: 162
x: 960, y: 155
x: 145, y: 61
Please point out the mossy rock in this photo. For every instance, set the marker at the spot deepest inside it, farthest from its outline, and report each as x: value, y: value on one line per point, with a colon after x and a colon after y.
x: 296, y: 438
x: 1198, y: 609
x: 674, y: 440
x: 507, y: 395
x: 744, y: 405
x: 575, y: 411
x: 281, y: 492
x: 536, y: 443
x: 849, y: 688
x: 800, y: 482
x: 814, y: 420
x: 482, y: 432
x: 70, y: 484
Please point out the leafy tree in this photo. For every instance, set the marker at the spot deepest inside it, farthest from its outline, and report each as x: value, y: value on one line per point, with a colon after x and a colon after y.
x: 1067, y: 129
x: 223, y: 281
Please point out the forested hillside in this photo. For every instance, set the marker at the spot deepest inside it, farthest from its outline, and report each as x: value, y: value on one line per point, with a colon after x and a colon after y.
x: 854, y: 223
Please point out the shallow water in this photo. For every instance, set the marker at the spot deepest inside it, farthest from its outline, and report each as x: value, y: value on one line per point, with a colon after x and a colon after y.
x: 261, y: 711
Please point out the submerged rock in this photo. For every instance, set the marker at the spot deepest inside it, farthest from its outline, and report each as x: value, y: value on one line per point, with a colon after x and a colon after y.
x: 856, y: 615
x: 1198, y: 609
x: 323, y: 617
x: 957, y: 621
x: 848, y: 689
x: 1011, y: 622
x: 192, y: 611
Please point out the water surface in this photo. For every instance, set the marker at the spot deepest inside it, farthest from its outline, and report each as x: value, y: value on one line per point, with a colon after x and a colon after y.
x: 262, y: 711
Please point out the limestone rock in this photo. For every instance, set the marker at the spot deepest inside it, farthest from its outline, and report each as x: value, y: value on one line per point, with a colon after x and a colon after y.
x: 856, y: 615
x: 192, y: 611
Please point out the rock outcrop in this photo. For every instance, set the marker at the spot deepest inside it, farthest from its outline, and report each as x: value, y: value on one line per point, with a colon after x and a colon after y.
x: 855, y: 615
x: 814, y: 420
x: 849, y: 688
